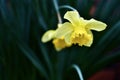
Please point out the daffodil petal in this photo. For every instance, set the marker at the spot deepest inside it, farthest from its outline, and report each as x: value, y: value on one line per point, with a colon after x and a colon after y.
x: 73, y: 17
x: 60, y: 44
x: 90, y: 41
x: 48, y: 36
x: 65, y: 28
x: 95, y: 25
x: 68, y: 38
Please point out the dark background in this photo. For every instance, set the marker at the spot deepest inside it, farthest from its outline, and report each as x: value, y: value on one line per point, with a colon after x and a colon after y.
x: 24, y: 57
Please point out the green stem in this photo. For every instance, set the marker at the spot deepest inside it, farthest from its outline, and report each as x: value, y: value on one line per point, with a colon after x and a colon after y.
x: 57, y: 11
x: 78, y: 71
x: 67, y: 6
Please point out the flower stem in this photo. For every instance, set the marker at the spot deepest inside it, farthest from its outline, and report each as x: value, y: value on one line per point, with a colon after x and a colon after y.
x: 57, y: 11
x: 67, y: 6
x: 78, y: 71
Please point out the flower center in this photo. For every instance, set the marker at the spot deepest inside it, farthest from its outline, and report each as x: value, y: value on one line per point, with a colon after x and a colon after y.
x: 80, y: 37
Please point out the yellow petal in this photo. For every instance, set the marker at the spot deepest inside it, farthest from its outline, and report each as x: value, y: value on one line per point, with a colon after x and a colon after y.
x: 48, y: 36
x: 59, y: 44
x: 68, y: 38
x: 90, y: 41
x: 73, y: 17
x: 65, y: 28
x: 95, y: 25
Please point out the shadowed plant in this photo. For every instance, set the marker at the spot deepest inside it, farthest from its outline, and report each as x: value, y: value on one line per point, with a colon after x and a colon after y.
x: 24, y: 57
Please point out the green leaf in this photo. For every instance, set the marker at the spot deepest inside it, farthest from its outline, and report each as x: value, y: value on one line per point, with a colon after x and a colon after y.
x: 33, y: 58
x: 99, y: 7
x: 106, y: 60
x: 40, y: 16
x: 108, y: 9
x: 47, y: 59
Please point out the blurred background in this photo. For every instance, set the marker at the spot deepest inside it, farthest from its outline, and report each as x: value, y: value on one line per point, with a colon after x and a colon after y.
x: 24, y: 57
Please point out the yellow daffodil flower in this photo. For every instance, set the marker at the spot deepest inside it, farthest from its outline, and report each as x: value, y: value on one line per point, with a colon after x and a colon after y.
x: 78, y: 30
x: 59, y: 44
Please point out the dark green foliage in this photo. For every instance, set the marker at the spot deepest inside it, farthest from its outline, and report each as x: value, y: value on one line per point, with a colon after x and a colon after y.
x: 24, y: 57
